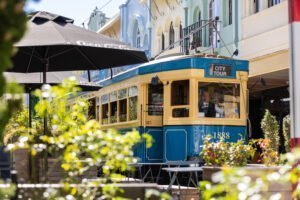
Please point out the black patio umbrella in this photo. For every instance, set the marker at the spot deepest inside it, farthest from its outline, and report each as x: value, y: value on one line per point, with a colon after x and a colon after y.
x: 53, y: 43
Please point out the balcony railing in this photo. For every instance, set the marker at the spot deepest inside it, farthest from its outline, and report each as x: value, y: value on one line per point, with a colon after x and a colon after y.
x: 203, y: 33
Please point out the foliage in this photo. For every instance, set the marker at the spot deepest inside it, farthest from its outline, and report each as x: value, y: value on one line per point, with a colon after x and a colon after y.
x: 79, y: 142
x: 6, y: 191
x: 270, y: 128
x: 19, y: 124
x: 13, y: 25
x: 222, y: 153
x: 269, y: 156
x: 286, y: 127
x: 238, y: 183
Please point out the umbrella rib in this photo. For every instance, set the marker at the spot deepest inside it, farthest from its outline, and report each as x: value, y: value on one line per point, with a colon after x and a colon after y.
x: 87, y: 58
x: 62, y: 52
x: 30, y: 60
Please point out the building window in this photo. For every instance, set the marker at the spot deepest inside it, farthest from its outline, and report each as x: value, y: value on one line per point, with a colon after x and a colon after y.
x: 180, y: 92
x: 92, y: 108
x: 138, y: 38
x: 180, y: 33
x: 171, y: 36
x: 229, y: 12
x: 255, y: 6
x: 218, y: 100
x: 162, y: 41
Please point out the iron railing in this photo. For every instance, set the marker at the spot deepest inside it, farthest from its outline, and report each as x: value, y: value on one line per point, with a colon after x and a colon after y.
x: 203, y: 33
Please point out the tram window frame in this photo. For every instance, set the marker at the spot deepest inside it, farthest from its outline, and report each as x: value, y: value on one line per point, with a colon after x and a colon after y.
x: 104, y: 107
x: 180, y: 108
x: 122, y: 100
x: 92, y: 108
x: 97, y: 109
x: 228, y: 106
x: 133, y: 98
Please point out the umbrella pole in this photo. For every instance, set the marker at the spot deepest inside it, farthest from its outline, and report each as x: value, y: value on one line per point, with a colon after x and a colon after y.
x: 45, y: 125
x: 89, y: 75
x: 29, y: 111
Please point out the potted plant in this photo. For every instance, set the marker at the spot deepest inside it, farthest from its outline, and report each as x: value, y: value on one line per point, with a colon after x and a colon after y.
x: 218, y: 155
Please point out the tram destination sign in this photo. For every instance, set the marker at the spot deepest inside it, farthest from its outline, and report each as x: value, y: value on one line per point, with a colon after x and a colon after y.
x: 220, y: 70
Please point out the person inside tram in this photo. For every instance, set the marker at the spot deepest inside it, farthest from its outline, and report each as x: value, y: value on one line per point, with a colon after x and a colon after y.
x: 206, y: 106
x: 219, y: 104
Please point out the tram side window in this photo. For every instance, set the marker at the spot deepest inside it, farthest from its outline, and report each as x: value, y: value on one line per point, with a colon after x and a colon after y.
x: 104, y: 109
x: 113, y: 107
x: 92, y: 108
x: 180, y: 92
x: 219, y: 100
x: 133, y: 92
x: 122, y: 97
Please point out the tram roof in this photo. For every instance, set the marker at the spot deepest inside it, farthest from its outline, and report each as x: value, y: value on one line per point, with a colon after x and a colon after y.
x: 176, y: 63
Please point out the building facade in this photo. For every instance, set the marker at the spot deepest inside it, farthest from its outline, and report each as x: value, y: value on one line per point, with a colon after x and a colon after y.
x: 265, y: 43
x: 136, y: 24
x: 97, y: 20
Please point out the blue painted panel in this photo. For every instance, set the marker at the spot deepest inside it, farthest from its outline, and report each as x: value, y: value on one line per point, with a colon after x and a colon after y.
x: 175, y: 143
x: 155, y: 152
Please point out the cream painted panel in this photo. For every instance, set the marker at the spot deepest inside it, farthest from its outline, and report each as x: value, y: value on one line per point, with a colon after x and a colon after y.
x: 269, y: 64
x: 265, y: 43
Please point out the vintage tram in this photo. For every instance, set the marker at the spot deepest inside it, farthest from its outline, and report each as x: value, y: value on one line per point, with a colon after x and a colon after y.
x: 178, y: 101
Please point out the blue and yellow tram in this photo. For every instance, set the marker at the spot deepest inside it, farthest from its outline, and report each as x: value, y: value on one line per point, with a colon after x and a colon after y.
x: 178, y: 101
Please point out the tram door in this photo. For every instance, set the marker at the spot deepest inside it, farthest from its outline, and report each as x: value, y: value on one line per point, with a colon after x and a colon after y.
x: 154, y: 121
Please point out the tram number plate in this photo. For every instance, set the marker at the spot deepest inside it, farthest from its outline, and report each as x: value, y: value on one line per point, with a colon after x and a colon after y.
x: 220, y: 70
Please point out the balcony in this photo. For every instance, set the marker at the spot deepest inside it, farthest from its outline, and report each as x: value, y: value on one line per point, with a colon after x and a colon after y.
x: 200, y: 36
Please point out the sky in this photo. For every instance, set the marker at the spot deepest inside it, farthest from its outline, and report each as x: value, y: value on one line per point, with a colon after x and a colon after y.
x: 79, y: 10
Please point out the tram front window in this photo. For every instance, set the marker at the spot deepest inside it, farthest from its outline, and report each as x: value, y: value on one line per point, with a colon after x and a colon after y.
x: 155, y: 100
x: 219, y: 100
x: 180, y: 92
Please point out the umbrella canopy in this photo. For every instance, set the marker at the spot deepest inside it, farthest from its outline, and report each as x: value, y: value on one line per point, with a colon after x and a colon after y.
x: 32, y: 81
x: 53, y: 43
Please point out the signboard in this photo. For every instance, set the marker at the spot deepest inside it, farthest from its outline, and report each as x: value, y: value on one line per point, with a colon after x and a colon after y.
x: 220, y: 71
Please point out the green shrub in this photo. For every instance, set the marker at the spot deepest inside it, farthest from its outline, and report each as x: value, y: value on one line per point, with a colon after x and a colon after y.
x: 286, y: 127
x: 270, y: 127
